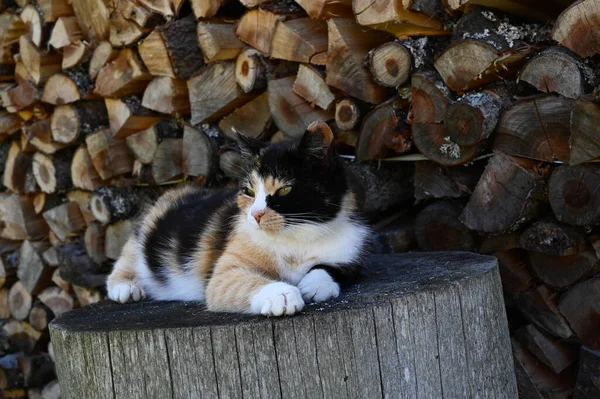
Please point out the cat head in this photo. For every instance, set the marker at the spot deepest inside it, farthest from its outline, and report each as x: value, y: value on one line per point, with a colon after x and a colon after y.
x: 290, y: 185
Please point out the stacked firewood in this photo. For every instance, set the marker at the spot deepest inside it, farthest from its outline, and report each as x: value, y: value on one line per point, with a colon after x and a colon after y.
x: 485, y: 116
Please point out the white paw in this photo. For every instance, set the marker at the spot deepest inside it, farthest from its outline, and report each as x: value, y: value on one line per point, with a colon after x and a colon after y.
x: 126, y: 292
x: 318, y: 286
x: 277, y: 299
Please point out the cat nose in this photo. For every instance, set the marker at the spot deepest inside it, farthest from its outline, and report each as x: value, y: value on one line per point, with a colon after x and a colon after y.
x: 257, y: 215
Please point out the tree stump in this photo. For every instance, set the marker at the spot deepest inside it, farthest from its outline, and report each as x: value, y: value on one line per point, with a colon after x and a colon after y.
x: 417, y: 325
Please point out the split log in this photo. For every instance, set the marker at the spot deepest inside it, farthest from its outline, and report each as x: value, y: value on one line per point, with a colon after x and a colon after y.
x: 214, y: 92
x: 57, y: 300
x: 323, y: 9
x: 310, y: 85
x: 40, y: 316
x: 143, y: 144
x: 508, y: 181
x: 253, y: 71
x: 9, y: 123
x: 33, y: 272
x: 535, y: 379
x: 540, y: 306
x: 290, y: 112
x: 579, y: 307
x: 93, y: 17
x: 54, y: 9
x: 94, y: 242
x: 111, y: 204
x: 167, y: 161
x: 18, y: 172
x: 253, y: 119
x: 37, y: 29
x: 82, y: 198
x: 552, y: 352
x: 257, y: 28
x: 300, y: 40
x: 42, y: 202
x: 432, y: 140
x: 347, y: 114
x: 20, y: 222
x: 572, y: 28
x: 60, y: 282
x: 25, y: 337
x: 168, y: 96
x: 537, y: 128
x: 232, y: 164
x: 390, y: 64
x: 71, y: 123
x: 587, y: 375
x: 515, y: 272
x: 142, y: 13
x: 585, y: 118
x: 87, y: 296
x: 172, y: 49
x: 21, y: 96
x: 9, y: 262
x: 554, y: 239
x: 53, y: 173
x: 573, y: 195
x: 66, y: 31
x: 75, y: 54
x: 206, y: 8
x: 430, y: 97
x: 40, y: 65
x: 437, y: 228
x: 348, y: 47
x: 198, y: 155
x: 557, y: 70
x: 19, y: 301
x: 103, y: 54
x: 115, y: 238
x: 4, y: 311
x: 65, y: 220
x: 347, y: 314
x: 124, y: 32
x: 437, y: 181
x: 50, y: 257
x: 218, y: 41
x: 39, y: 135
x: 124, y: 76
x: 111, y: 157
x: 143, y: 173
x: 128, y: 116
x: 384, y: 131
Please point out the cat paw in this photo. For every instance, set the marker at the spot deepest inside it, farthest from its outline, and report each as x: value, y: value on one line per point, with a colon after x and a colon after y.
x: 318, y: 286
x: 126, y: 292
x: 277, y: 299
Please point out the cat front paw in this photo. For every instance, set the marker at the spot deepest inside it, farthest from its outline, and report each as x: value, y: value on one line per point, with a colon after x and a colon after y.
x: 277, y: 299
x: 318, y: 286
x: 126, y: 292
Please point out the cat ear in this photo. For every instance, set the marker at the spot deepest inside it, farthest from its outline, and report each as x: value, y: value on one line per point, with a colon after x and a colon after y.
x: 317, y: 139
x: 249, y: 147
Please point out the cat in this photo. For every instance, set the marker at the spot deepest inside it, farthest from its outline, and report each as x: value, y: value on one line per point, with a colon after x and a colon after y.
x: 290, y: 235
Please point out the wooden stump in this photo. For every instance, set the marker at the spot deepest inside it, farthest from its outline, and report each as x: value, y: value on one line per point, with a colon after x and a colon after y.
x: 428, y: 323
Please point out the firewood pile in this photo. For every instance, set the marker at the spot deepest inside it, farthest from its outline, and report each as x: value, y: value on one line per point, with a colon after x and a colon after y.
x: 487, y: 117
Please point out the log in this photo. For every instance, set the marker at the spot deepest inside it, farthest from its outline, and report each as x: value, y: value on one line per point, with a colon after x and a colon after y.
x: 39, y: 135
x: 9, y: 262
x: 390, y: 64
x: 290, y: 112
x: 323, y: 9
x: 430, y: 97
x: 578, y: 306
x: 103, y: 54
x: 66, y: 31
x: 19, y: 301
x: 537, y: 128
x: 18, y: 171
x: 214, y: 92
x: 347, y: 114
x: 128, y: 116
x: 33, y: 272
x: 71, y: 123
x: 59, y: 281
x: 572, y: 28
x: 540, y: 306
x: 9, y: 123
x: 173, y: 50
x: 53, y: 173
x: 83, y: 173
x: 510, y: 182
x: 4, y: 309
x: 552, y: 238
x: 94, y: 242
x: 50, y: 257
x: 253, y: 71
x: 515, y: 272
x: 93, y: 17
x: 144, y: 13
x: 124, y: 32
x: 67, y: 87
x: 431, y: 363
x: 115, y: 238
x: 76, y: 54
x: 300, y: 40
x: 437, y: 228
x: 584, y: 118
x: 20, y: 222
x: 348, y: 47
x: 573, y: 195
x: 37, y: 30
x: 40, y: 65
x: 54, y: 9
x: 111, y: 204
x: 310, y: 85
x: 218, y: 41
x: 198, y: 156
x: 252, y: 119
x: 168, y: 96
x: 587, y: 376
x: 25, y: 337
x: 384, y: 131
x: 65, y: 220
x: 40, y: 316
x: 111, y: 157
x: 257, y: 28
x: 167, y: 162
x: 437, y: 181
x: 82, y: 198
x: 552, y: 352
x: 126, y: 75
x: 21, y: 96
x: 144, y: 144
x: 77, y: 268
x: 57, y: 300
x: 206, y: 8
x: 433, y: 142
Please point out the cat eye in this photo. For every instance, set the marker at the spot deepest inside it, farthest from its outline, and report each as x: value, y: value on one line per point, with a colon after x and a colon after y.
x: 284, y: 190
x: 249, y: 192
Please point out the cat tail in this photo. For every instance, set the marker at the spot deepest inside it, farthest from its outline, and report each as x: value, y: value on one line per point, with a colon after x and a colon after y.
x: 122, y: 284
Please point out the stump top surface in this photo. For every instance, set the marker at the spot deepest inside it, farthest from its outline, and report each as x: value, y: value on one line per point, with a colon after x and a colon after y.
x: 385, y: 277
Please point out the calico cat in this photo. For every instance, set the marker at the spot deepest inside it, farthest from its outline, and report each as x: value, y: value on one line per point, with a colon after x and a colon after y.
x: 287, y: 237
